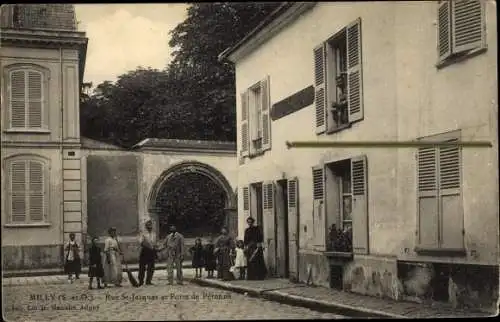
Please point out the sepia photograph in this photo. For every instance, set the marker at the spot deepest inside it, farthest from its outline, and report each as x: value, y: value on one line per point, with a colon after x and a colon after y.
x: 249, y: 160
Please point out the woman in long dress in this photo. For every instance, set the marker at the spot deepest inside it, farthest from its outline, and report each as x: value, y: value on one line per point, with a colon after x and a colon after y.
x: 256, y: 267
x: 224, y: 247
x: 112, y: 260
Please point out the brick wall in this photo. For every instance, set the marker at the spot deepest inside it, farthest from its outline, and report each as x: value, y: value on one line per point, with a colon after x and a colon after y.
x: 45, y: 16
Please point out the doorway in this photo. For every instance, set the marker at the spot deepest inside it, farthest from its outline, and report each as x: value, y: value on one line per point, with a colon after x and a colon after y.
x: 282, y: 255
x: 257, y: 194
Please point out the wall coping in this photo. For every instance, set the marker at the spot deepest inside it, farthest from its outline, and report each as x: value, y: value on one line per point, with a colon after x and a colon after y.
x: 155, y: 144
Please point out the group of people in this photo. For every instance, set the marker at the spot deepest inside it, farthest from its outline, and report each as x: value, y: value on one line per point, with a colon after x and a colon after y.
x: 242, y: 259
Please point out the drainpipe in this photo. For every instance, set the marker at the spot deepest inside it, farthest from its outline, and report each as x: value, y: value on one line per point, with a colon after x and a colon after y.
x: 61, y: 144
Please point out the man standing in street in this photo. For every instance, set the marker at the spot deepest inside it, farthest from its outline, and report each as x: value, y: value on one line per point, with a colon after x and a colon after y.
x: 147, y: 256
x: 174, y: 246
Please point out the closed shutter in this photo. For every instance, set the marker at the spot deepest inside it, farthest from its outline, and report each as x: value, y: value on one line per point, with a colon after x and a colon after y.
x: 18, y: 206
x: 17, y: 99
x: 266, y: 121
x: 318, y: 206
x: 452, y: 225
x: 245, y: 141
x: 269, y: 225
x: 35, y: 99
x: 246, y: 202
x: 293, y: 227
x: 467, y: 25
x: 320, y: 97
x: 428, y: 212
x: 354, y: 72
x: 444, y: 30
x: 360, y: 223
x: 36, y: 191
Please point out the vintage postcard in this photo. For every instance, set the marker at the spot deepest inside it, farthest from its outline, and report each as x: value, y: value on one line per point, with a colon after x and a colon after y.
x: 259, y: 160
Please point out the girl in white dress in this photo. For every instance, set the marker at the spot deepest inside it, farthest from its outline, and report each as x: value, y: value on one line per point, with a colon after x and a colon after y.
x: 241, y: 261
x: 112, y: 260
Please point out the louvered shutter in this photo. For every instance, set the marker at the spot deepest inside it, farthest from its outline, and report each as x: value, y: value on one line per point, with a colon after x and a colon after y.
x: 17, y: 99
x: 18, y: 206
x: 467, y: 25
x: 354, y: 72
x: 35, y: 99
x: 320, y: 86
x: 246, y: 202
x: 266, y: 121
x: 319, y: 206
x: 359, y: 184
x: 428, y: 212
x: 269, y: 228
x: 245, y: 140
x: 444, y: 30
x: 451, y: 236
x: 293, y: 227
x: 36, y: 191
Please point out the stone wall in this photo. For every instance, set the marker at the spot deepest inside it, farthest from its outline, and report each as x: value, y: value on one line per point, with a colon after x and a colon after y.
x: 319, y: 265
x: 26, y: 257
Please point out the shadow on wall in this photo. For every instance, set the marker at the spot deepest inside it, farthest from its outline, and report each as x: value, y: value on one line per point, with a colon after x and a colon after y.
x: 366, y: 280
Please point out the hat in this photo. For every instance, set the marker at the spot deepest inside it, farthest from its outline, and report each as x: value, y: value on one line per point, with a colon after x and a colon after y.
x: 111, y: 229
x: 250, y: 219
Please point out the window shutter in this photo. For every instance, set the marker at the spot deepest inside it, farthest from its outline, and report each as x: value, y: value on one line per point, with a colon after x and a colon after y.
x: 467, y: 25
x: 359, y: 184
x: 320, y: 97
x: 354, y: 72
x: 444, y: 30
x: 18, y: 191
x: 246, y: 202
x: 318, y: 206
x: 269, y: 224
x: 266, y: 121
x: 36, y: 191
x: 245, y: 141
x: 17, y: 99
x: 293, y: 226
x: 428, y: 213
x: 451, y: 233
x: 35, y: 99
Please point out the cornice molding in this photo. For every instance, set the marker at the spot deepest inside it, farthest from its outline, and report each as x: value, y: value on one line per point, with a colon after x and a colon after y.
x: 42, y: 38
x: 246, y: 46
x: 40, y: 145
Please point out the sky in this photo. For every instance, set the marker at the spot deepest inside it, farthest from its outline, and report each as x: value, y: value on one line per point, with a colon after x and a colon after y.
x: 125, y: 36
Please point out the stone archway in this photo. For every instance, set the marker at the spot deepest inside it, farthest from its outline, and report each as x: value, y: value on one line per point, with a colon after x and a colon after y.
x: 180, y: 169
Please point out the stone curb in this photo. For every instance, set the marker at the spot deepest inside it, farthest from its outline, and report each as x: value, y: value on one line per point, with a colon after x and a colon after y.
x: 283, y: 297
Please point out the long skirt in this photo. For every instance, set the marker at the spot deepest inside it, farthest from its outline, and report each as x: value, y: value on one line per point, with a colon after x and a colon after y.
x: 113, y: 270
x: 73, y: 266
x: 256, y: 266
x: 224, y: 263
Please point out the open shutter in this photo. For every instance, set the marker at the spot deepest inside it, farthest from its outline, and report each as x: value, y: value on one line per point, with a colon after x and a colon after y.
x: 245, y: 141
x: 467, y: 25
x: 359, y: 186
x: 320, y: 97
x: 444, y: 30
x: 266, y: 121
x: 319, y: 206
x: 293, y: 227
x: 428, y: 218
x: 269, y: 225
x: 18, y: 99
x: 35, y: 99
x: 452, y: 225
x: 36, y: 191
x: 18, y: 191
x: 354, y: 72
x: 246, y: 202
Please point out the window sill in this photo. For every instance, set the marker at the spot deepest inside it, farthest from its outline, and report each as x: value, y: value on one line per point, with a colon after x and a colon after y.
x: 459, y: 252
x: 456, y: 58
x: 347, y: 255
x: 256, y: 154
x: 338, y: 128
x: 32, y: 225
x: 32, y: 131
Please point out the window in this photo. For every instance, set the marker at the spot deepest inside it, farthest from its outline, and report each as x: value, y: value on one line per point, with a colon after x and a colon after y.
x: 255, y: 122
x: 440, y: 213
x: 26, y: 94
x: 461, y: 28
x: 27, y: 191
x: 341, y: 205
x: 338, y: 80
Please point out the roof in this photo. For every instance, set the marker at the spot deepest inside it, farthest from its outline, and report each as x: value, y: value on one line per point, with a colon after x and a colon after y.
x: 279, y: 12
x: 39, y: 16
x: 186, y: 145
x: 91, y: 144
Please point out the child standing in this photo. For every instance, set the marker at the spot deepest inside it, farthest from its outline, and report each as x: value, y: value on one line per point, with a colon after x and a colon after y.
x: 210, y: 259
x: 197, y: 253
x: 240, y: 262
x: 95, y: 264
x: 72, y: 257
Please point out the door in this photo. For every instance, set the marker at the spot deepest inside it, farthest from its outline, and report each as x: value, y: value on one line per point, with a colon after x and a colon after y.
x: 293, y: 228
x: 269, y: 226
x: 282, y: 260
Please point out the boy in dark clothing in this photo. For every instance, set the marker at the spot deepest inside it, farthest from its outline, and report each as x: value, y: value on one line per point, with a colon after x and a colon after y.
x: 210, y: 259
x: 197, y: 254
x: 95, y: 264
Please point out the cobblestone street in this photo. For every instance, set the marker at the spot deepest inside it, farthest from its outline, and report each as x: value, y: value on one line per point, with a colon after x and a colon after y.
x: 60, y: 301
